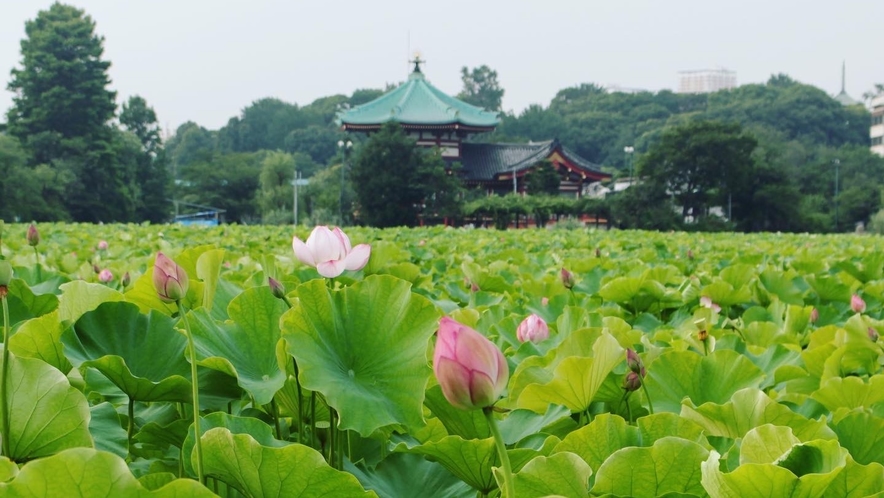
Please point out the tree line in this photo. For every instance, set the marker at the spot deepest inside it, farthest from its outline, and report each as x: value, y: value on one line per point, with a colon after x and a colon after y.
x: 763, y: 155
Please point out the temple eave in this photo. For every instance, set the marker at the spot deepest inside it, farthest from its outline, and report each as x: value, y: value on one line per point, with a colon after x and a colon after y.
x: 416, y: 126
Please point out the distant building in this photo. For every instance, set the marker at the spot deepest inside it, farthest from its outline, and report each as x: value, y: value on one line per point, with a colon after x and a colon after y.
x: 876, y: 131
x: 843, y: 98
x: 706, y: 80
x: 615, y: 88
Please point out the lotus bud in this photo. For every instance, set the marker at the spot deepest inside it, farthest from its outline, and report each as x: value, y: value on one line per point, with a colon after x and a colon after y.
x: 471, y: 370
x: 5, y: 273
x: 474, y: 287
x: 102, y: 245
x: 276, y: 288
x: 873, y: 334
x: 544, y: 301
x: 33, y: 236
x: 169, y: 279
x: 532, y: 329
x: 567, y: 279
x: 857, y: 304
x: 703, y: 335
x: 706, y: 302
x: 814, y: 315
x: 126, y: 280
x: 95, y: 268
x: 634, y: 363
x: 632, y: 382
x: 598, y: 252
x: 105, y: 276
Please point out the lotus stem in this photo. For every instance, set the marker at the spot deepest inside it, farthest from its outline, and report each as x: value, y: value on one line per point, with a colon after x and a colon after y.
x: 509, y: 490
x: 300, y: 401
x: 131, y: 425
x: 4, y: 375
x: 650, y: 405
x: 196, y: 395
x: 313, y: 419
x: 37, y: 258
x: 275, y: 409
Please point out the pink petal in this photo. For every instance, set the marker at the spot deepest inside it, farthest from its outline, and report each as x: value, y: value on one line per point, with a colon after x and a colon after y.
x: 342, y: 237
x: 454, y: 380
x: 302, y: 252
x: 324, y: 245
x: 358, y: 257
x: 331, y: 269
x: 482, y: 390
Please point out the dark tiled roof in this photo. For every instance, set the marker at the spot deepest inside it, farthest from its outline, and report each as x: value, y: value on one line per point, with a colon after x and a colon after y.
x: 483, y: 162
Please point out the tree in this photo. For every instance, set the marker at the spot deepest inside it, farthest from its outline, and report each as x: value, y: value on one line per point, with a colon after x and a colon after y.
x: 275, y: 198
x: 139, y: 118
x: 480, y: 88
x: 225, y: 181
x: 543, y: 179
x: 152, y: 172
x: 700, y: 163
x: 393, y: 179
x: 61, y: 88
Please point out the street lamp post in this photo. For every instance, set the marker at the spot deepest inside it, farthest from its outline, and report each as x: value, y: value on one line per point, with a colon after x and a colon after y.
x: 628, y: 150
x: 345, y: 148
x: 837, y: 174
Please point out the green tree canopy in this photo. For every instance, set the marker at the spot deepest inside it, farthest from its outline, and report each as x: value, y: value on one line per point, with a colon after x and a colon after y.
x: 481, y: 88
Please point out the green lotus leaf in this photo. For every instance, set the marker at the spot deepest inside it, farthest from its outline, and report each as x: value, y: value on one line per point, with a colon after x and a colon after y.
x: 470, y: 460
x: 245, y: 346
x: 90, y: 473
x: 36, y: 304
x: 576, y: 380
x: 40, y: 338
x: 468, y: 424
x: 109, y: 435
x: 400, y: 474
x: 520, y: 424
x: 671, y: 465
x: 125, y: 346
x: 564, y: 474
x: 829, y: 288
x: 766, y: 444
x: 208, y: 269
x: 364, y: 348
x: 255, y: 470
x: 748, y: 409
x: 79, y: 297
x: 856, y: 481
x: 852, y: 359
x: 163, y: 436
x: 46, y: 414
x: 260, y: 432
x: 785, y: 287
x: 674, y: 375
x: 862, y: 434
x: 724, y: 294
x: 8, y: 469
x: 850, y: 392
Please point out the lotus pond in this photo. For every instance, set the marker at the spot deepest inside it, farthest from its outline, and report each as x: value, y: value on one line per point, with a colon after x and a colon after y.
x: 754, y: 370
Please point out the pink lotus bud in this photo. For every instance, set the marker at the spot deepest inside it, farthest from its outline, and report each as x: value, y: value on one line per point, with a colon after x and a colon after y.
x: 632, y: 382
x: 706, y: 302
x: 169, y: 279
x: 814, y: 315
x: 102, y: 245
x: 95, y: 268
x: 532, y: 329
x: 873, y: 334
x: 857, y: 304
x: 33, y: 236
x: 567, y: 279
x: 126, y: 280
x: 105, y: 276
x: 330, y: 252
x: 276, y: 288
x: 634, y: 363
x: 544, y: 301
x: 471, y: 370
x: 474, y: 287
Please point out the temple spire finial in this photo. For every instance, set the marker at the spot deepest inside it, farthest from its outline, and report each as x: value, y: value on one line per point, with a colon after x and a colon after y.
x: 843, y: 75
x: 417, y: 61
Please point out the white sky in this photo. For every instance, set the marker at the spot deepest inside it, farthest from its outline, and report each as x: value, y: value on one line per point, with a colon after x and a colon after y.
x: 206, y: 60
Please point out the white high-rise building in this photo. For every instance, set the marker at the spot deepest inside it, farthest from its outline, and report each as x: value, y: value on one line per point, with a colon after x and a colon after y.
x: 706, y: 80
x: 876, y: 131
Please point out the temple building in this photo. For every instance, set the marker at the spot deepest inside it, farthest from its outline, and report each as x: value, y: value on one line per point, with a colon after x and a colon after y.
x: 435, y: 119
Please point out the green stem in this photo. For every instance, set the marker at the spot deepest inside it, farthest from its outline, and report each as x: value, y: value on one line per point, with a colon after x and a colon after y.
x: 331, y: 438
x: 313, y: 419
x: 4, y: 372
x: 501, y: 451
x: 650, y: 405
x: 130, y: 429
x: 275, y: 410
x: 196, y: 395
x: 37, y: 257
x: 300, y: 401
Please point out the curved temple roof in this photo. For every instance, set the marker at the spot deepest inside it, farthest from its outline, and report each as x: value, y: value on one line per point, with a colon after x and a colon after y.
x: 418, y: 103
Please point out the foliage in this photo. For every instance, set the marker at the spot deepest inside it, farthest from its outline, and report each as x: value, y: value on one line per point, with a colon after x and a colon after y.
x: 225, y: 181
x: 481, y: 88
x: 543, y: 179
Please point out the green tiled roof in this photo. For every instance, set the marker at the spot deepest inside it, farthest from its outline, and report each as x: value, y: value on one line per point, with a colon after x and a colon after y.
x: 417, y: 102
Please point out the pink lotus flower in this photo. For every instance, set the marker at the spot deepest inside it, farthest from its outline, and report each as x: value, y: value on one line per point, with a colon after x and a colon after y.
x: 471, y: 370
x: 330, y: 252
x: 857, y: 304
x: 706, y: 302
x: 105, y: 276
x: 532, y: 329
x: 169, y: 279
x: 102, y: 245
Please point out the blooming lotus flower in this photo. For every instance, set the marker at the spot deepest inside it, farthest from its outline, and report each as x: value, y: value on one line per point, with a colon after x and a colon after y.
x: 169, y: 279
x: 102, y: 245
x: 471, y: 370
x: 105, y: 276
x: 330, y: 252
x: 706, y: 302
x: 532, y: 329
x: 33, y: 236
x: 857, y: 304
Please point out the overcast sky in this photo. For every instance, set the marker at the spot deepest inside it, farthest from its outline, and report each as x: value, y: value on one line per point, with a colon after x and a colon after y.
x: 206, y: 60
